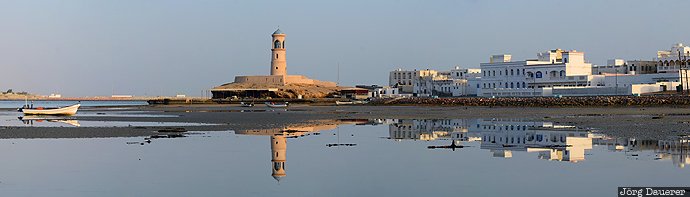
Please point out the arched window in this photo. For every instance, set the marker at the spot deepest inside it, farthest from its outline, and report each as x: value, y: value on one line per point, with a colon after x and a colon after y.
x: 511, y: 86
x: 276, y: 44
x: 562, y: 73
x: 276, y: 166
x: 538, y: 75
x: 565, y: 60
x: 506, y: 86
x: 523, y: 85
x: 518, y: 86
x: 511, y: 72
x: 283, y: 43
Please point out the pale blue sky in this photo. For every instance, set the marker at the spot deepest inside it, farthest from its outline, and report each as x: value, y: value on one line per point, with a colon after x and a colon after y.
x: 144, y: 47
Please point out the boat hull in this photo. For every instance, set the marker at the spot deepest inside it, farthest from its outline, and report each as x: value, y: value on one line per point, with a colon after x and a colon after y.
x: 65, y: 111
x: 273, y: 105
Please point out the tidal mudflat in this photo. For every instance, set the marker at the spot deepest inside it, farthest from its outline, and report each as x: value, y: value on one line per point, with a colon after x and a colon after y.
x: 346, y: 151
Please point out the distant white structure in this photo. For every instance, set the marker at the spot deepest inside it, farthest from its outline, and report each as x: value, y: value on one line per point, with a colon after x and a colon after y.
x: 456, y: 82
x: 121, y: 96
x: 55, y: 96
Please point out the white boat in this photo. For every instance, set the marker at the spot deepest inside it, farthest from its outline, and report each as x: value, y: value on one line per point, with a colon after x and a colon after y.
x: 344, y: 103
x: 350, y: 102
x: 243, y: 104
x: 69, y: 110
x: 276, y: 105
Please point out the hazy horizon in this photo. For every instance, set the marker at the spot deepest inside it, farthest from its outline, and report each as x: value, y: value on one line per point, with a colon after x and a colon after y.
x: 89, y: 48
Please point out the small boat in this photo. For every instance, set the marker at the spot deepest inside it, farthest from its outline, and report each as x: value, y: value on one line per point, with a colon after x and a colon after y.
x: 243, y: 104
x: 344, y: 103
x: 276, y: 105
x: 68, y: 111
x: 350, y: 102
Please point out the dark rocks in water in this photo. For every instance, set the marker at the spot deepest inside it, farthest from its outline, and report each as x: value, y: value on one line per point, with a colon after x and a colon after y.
x: 173, y: 130
x: 330, y: 145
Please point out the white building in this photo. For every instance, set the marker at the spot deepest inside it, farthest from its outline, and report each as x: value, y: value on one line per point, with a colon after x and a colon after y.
x: 555, y: 68
x: 671, y: 61
x: 553, y: 73
x: 423, y: 83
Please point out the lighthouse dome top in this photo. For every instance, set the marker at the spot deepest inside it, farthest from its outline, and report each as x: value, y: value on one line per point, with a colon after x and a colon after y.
x: 278, y: 31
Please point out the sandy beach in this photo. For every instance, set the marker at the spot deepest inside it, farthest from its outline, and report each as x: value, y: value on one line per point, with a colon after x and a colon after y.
x: 646, y: 122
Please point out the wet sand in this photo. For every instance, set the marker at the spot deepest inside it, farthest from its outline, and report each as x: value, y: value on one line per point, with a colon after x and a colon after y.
x: 639, y: 122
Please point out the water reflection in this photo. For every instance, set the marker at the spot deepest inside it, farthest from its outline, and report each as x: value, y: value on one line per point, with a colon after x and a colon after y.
x: 548, y: 140
x: 278, y: 137
x: 674, y: 148
x: 29, y: 120
x: 500, y: 138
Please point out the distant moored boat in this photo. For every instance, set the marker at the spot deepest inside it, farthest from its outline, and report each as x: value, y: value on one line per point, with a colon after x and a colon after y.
x: 276, y: 105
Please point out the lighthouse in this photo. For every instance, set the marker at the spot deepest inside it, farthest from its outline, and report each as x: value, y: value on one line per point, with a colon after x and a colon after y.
x: 278, y: 64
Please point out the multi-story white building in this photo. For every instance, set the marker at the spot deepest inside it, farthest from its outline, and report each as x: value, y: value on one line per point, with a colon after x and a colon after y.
x: 672, y: 60
x: 555, y: 68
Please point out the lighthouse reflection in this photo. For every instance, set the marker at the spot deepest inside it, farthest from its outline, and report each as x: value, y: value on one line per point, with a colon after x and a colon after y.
x: 279, y: 136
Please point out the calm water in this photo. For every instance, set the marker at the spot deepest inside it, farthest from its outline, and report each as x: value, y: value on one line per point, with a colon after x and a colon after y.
x: 19, y: 104
x: 391, y: 158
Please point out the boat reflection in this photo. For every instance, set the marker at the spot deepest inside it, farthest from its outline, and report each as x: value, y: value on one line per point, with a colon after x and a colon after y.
x: 32, y: 119
x: 548, y: 140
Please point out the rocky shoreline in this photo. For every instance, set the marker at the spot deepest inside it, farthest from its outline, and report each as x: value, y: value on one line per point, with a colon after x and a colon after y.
x: 598, y: 101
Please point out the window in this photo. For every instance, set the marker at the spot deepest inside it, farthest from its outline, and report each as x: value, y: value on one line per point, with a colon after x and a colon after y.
x: 276, y: 44
x: 538, y: 74
x: 511, y: 84
x: 511, y: 72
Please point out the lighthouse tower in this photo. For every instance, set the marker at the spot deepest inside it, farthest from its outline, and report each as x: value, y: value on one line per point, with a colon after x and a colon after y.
x: 278, y: 64
x: 278, y: 149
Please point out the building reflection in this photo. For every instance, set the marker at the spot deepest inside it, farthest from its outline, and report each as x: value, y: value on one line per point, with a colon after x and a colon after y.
x: 279, y: 136
x: 547, y: 140
x: 674, y: 148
